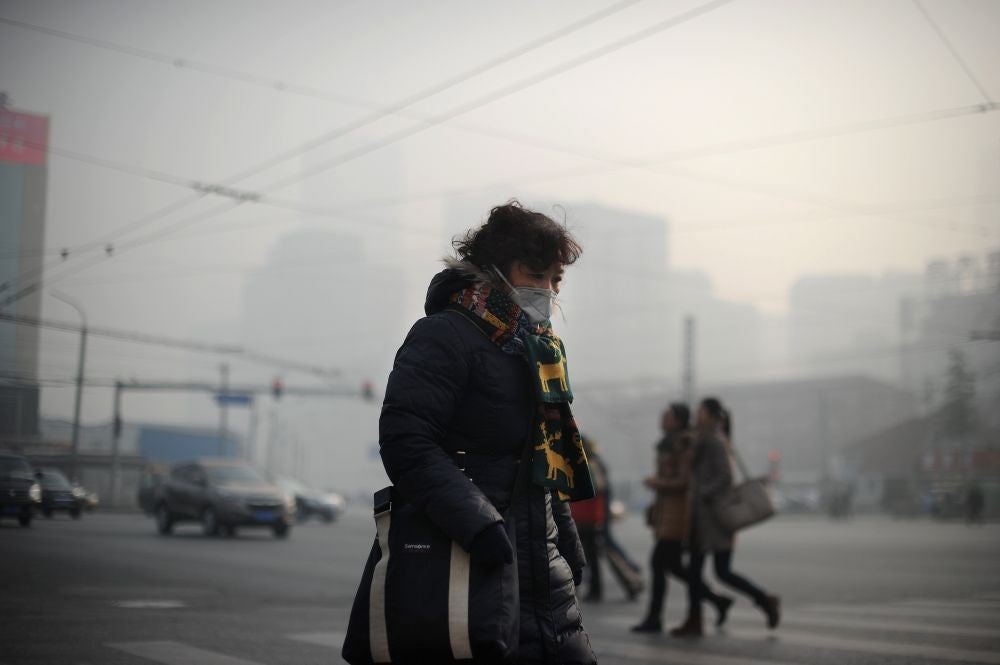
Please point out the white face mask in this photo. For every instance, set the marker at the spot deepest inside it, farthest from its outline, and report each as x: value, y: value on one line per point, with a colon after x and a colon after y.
x: 536, y: 303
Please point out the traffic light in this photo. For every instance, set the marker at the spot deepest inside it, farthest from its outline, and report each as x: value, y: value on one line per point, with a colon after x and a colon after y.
x: 277, y: 387
x: 367, y: 390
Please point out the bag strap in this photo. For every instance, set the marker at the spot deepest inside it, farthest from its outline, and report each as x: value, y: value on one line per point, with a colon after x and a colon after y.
x: 739, y: 461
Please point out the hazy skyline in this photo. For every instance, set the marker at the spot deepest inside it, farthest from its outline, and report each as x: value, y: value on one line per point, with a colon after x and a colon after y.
x: 778, y: 139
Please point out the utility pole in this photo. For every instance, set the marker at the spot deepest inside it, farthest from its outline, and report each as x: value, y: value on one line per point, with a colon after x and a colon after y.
x: 688, y: 361
x: 78, y: 399
x: 251, y: 445
x: 116, y: 430
x: 223, y: 412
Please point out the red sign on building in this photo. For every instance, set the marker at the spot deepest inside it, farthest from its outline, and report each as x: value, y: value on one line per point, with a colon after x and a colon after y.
x: 23, y: 137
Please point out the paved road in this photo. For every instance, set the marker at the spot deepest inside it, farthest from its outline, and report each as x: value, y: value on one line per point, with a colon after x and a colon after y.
x: 107, y: 590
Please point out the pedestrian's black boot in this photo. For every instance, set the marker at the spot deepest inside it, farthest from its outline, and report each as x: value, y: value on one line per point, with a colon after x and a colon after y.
x: 771, y: 607
x: 722, y: 610
x: 648, y: 625
x: 690, y: 628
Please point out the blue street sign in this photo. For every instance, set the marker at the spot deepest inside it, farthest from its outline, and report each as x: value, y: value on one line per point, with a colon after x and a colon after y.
x: 234, y: 399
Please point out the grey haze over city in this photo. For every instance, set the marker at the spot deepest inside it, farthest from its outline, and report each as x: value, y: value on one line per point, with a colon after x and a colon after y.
x: 815, y: 184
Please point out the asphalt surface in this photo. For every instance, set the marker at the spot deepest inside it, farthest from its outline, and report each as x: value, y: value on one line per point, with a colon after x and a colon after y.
x: 107, y: 589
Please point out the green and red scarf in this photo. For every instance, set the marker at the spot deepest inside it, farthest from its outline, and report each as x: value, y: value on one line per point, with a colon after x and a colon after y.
x: 558, y: 460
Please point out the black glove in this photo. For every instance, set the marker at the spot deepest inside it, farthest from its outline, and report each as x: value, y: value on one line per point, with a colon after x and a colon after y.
x: 491, y: 546
x: 578, y: 577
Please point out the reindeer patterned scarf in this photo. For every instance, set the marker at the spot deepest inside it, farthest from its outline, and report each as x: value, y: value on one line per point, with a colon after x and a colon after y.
x: 558, y: 460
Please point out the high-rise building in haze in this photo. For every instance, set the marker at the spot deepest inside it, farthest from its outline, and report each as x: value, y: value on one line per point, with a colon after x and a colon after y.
x: 23, y: 175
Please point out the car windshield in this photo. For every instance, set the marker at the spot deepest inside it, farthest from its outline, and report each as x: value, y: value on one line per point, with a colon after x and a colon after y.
x: 53, y: 480
x: 14, y: 466
x: 224, y: 475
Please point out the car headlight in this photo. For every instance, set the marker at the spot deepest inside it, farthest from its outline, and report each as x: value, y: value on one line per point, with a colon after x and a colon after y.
x: 226, y: 496
x: 79, y: 493
x: 290, y: 501
x: 35, y: 492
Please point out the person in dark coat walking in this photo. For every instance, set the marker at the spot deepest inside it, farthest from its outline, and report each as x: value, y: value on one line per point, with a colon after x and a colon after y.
x: 711, y: 477
x: 483, y: 376
x: 669, y: 516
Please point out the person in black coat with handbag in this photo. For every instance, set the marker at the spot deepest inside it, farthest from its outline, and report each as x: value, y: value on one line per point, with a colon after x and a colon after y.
x: 480, y: 387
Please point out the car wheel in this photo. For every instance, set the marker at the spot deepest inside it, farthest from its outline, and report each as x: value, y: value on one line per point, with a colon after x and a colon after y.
x: 210, y: 522
x: 75, y: 513
x: 164, y: 520
x: 229, y: 530
x: 47, y: 512
x: 281, y: 530
x: 24, y: 519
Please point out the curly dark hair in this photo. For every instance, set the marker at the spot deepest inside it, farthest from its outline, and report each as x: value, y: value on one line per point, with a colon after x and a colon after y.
x: 515, y: 233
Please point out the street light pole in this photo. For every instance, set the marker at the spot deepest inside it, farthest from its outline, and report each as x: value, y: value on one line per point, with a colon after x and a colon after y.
x: 78, y: 400
x: 223, y: 395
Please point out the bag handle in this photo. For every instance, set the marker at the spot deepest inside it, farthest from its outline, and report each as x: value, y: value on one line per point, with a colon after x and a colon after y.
x: 739, y: 461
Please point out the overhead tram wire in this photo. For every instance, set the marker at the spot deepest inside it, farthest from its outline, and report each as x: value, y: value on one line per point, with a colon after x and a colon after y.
x: 231, y: 350
x: 608, y: 163
x: 336, y: 133
x: 349, y: 213
x: 522, y: 84
x: 282, y: 86
x: 954, y: 52
x: 783, y: 139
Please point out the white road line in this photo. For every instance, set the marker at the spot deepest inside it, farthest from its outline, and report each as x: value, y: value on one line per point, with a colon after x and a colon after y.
x: 869, y: 646
x: 819, y: 621
x: 894, y: 611
x: 653, y: 652
x: 812, y: 618
x: 954, y: 603
x: 177, y: 653
x: 333, y: 640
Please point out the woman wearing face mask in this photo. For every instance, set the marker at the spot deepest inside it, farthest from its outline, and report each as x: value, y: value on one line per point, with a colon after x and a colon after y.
x: 479, y: 386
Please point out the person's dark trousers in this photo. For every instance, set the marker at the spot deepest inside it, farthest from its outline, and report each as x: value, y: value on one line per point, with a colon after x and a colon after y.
x: 723, y: 571
x: 666, y: 560
x: 591, y: 539
x: 696, y: 585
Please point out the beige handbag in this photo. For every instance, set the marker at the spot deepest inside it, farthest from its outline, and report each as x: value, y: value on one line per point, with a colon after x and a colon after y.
x: 746, y: 503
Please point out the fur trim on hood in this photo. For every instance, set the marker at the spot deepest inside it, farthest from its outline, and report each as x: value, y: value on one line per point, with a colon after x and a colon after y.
x: 456, y: 276
x: 471, y: 271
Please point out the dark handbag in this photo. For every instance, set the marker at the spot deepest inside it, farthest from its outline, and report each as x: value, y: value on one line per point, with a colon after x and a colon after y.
x: 744, y: 504
x: 422, y: 600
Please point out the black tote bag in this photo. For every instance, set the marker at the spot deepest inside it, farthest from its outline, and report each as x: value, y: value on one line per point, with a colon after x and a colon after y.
x: 422, y: 600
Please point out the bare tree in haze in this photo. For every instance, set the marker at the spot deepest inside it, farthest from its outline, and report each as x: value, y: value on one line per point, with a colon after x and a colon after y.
x: 958, y: 413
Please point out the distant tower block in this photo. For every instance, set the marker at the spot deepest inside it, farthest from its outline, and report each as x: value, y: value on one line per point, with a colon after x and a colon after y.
x: 688, y: 376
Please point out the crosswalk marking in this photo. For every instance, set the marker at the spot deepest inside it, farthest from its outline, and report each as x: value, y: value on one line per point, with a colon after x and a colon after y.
x: 956, y: 612
x: 806, y: 618
x: 979, y: 604
x: 333, y: 639
x: 607, y: 648
x: 871, y: 646
x: 821, y: 621
x: 654, y: 652
x: 177, y: 653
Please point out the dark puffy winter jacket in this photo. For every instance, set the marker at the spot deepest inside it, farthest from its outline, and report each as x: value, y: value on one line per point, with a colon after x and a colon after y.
x: 452, y: 389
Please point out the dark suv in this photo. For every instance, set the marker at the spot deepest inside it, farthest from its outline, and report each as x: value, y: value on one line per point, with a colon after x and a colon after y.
x: 59, y: 495
x: 223, y: 495
x: 19, y: 493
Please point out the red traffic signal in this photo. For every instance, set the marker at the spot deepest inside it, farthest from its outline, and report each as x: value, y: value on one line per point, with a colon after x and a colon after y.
x: 277, y: 387
x: 367, y: 390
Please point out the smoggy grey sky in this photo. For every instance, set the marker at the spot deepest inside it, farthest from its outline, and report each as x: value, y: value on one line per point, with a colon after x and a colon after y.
x: 779, y: 138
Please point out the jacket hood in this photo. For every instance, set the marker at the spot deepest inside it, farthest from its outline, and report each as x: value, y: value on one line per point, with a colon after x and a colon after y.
x: 456, y: 276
